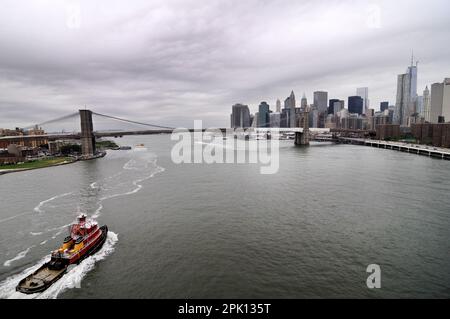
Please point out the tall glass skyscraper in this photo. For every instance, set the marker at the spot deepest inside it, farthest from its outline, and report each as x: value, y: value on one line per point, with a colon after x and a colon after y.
x: 355, y: 105
x: 304, y: 103
x: 289, y: 109
x: 405, y: 104
x: 321, y: 101
x: 278, y: 106
x: 426, y: 104
x: 240, y: 116
x: 264, y: 115
x: 364, y: 94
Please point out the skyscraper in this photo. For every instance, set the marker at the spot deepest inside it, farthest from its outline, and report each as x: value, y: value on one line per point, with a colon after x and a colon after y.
x: 419, y: 106
x: 436, y: 101
x: 313, y: 117
x: 278, y: 106
x: 321, y: 101
x: 304, y: 103
x: 364, y: 94
x: 331, y: 106
x: 292, y: 110
x: 384, y: 106
x: 264, y: 115
x: 275, y: 120
x: 406, y: 95
x: 240, y: 116
x: 289, y: 110
x: 446, y: 102
x: 440, y: 101
x: 355, y: 105
x: 338, y: 106
x: 426, y: 104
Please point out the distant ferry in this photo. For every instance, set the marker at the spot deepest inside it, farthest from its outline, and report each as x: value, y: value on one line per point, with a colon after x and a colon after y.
x: 85, y: 239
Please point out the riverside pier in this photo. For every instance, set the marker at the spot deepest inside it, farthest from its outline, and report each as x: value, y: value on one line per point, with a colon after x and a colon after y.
x: 423, y: 150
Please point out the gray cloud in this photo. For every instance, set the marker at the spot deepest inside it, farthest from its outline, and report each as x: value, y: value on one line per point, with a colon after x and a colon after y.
x: 170, y: 62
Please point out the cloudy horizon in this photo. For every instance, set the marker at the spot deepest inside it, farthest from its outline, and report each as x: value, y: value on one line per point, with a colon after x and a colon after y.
x: 171, y: 62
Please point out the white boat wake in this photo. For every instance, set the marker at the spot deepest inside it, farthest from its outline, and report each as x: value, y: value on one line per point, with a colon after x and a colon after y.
x: 126, y: 182
x: 72, y: 279
x: 38, y: 208
x: 19, y: 256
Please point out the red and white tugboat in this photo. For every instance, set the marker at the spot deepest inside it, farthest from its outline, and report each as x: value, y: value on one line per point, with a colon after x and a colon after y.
x: 85, y: 239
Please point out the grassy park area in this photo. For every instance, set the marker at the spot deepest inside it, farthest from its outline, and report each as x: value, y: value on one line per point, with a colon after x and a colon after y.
x: 38, y: 163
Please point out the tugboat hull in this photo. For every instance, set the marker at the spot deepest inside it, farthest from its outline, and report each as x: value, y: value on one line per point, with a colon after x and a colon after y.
x: 47, y: 275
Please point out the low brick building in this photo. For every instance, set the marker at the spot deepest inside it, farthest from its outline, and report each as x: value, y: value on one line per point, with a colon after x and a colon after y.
x: 388, y: 131
x: 432, y: 134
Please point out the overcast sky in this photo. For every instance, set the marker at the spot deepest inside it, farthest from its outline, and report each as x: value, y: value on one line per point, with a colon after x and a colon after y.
x: 170, y: 62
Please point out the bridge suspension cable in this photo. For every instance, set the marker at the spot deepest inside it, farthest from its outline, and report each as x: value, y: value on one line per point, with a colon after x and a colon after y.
x: 62, y: 118
x: 133, y: 122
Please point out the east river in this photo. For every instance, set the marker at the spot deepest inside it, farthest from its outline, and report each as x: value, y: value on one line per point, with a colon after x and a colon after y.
x: 227, y: 231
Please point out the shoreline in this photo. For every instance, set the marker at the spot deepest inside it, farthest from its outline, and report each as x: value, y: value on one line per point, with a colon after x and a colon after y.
x: 18, y: 170
x: 78, y: 159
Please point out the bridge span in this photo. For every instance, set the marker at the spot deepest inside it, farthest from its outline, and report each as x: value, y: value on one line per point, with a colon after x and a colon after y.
x: 302, y: 136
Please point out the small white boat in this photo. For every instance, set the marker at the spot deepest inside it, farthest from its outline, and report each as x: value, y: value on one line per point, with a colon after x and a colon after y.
x: 140, y: 147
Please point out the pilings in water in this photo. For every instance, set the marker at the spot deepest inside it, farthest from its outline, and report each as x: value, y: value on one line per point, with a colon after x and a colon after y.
x: 412, y: 149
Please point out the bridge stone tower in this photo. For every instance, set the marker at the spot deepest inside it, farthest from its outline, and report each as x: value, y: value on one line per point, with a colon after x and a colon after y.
x: 87, y: 133
x: 302, y: 138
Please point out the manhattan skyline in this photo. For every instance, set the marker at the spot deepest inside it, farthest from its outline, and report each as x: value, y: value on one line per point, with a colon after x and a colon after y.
x: 174, y: 62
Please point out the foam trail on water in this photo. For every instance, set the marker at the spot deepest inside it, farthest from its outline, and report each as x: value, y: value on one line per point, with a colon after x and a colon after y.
x: 126, y: 182
x: 97, y: 211
x: 8, y: 286
x: 70, y: 280
x: 132, y: 165
x: 58, y: 233
x: 14, y: 217
x: 135, y: 183
x: 38, y: 208
x: 36, y: 234
x: 19, y: 256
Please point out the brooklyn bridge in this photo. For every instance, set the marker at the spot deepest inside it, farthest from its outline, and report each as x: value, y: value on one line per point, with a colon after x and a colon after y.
x: 88, y: 135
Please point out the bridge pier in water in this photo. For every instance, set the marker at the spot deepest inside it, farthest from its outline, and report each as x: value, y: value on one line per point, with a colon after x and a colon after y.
x: 302, y: 138
x: 87, y: 134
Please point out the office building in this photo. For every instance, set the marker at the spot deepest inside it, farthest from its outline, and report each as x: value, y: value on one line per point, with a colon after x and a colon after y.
x: 288, y: 118
x: 406, y: 95
x: 384, y: 106
x: 275, y: 120
x: 264, y: 115
x: 355, y: 105
x: 278, y: 107
x: 446, y: 100
x: 436, y: 101
x: 321, y: 101
x: 331, y: 106
x: 338, y: 106
x: 304, y: 103
x: 240, y: 116
x: 426, y: 104
x: 364, y: 94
